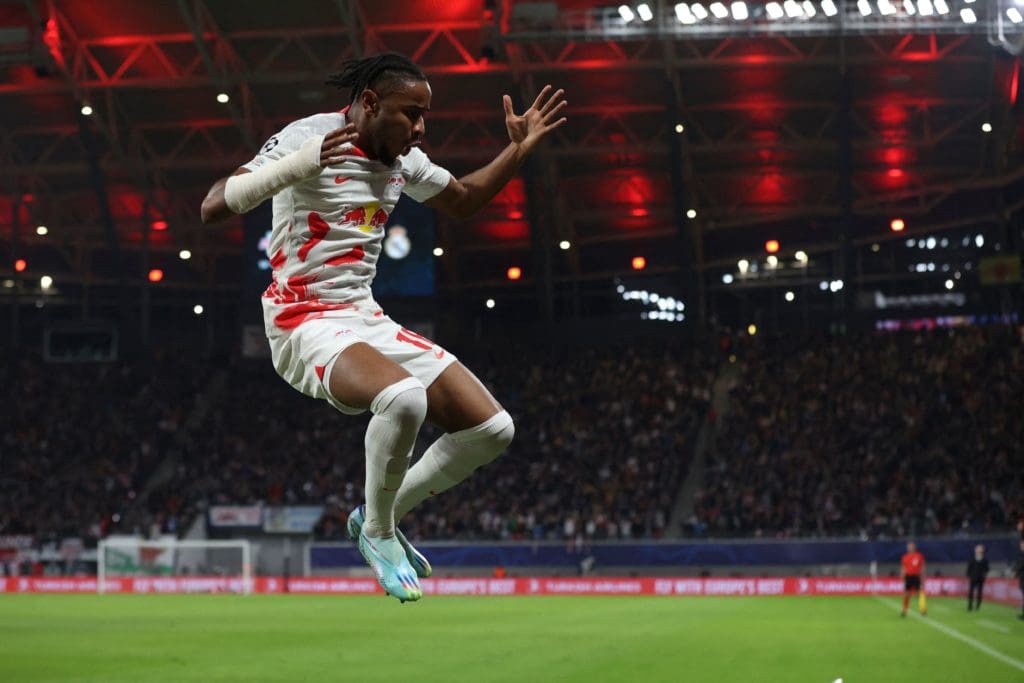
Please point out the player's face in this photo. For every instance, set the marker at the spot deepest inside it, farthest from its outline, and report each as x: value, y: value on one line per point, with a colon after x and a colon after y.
x: 398, y: 125
x: 911, y: 547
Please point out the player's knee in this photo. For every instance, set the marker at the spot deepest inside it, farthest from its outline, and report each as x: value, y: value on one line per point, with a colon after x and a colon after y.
x: 485, y: 442
x: 405, y: 401
x: 504, y: 434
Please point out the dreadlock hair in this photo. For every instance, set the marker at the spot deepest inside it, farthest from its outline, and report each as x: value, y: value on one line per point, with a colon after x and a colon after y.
x: 383, y: 73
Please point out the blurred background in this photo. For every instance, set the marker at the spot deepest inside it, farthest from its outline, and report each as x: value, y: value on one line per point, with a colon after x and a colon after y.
x: 762, y: 290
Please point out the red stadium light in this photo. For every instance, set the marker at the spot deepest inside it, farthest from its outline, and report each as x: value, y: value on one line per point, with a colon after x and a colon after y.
x: 20, y: 265
x: 639, y: 263
x: 895, y: 173
x: 514, y: 273
x: 1015, y: 81
x: 897, y: 225
x: 158, y: 225
x: 638, y: 212
x: 156, y: 275
x: 515, y: 215
x: 771, y: 246
x: 895, y: 156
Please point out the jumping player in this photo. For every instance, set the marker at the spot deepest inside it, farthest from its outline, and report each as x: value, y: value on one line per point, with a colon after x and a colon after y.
x: 335, y: 178
x: 911, y: 571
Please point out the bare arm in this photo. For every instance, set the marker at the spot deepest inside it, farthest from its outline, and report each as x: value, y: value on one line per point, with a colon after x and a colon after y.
x: 215, y: 208
x: 465, y: 196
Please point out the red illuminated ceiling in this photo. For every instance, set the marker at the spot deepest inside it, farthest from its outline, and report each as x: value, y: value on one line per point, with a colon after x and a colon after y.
x: 762, y: 117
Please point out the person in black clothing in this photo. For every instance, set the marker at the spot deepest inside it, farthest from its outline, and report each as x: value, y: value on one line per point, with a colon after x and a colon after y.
x: 977, y: 570
x: 1018, y: 571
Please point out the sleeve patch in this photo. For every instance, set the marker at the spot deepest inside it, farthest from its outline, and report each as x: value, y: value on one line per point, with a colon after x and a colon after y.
x: 269, y: 145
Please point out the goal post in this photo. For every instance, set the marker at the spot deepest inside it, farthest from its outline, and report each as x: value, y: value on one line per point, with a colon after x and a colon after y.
x: 185, y: 566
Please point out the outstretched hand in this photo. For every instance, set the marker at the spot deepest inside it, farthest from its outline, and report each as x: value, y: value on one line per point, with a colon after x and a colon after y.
x: 537, y: 121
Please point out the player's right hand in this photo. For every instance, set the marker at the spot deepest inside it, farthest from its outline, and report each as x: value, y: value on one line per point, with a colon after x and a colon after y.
x: 336, y: 144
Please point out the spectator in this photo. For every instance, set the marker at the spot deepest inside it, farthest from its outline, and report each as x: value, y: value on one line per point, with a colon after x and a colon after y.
x: 877, y: 435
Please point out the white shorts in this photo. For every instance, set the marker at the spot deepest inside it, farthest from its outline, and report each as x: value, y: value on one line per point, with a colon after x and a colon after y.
x: 305, y: 355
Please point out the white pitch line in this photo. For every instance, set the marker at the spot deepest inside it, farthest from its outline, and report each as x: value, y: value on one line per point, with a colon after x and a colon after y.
x: 993, y: 625
x: 953, y: 633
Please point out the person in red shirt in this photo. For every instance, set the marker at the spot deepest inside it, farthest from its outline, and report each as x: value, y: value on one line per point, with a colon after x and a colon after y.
x: 911, y: 571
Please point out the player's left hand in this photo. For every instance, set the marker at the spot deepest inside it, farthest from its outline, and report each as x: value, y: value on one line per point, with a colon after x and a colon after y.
x: 537, y: 121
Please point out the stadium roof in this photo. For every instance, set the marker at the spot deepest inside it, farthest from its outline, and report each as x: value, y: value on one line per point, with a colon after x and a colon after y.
x: 813, y: 130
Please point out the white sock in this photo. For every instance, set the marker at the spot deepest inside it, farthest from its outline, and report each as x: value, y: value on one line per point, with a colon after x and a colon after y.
x: 452, y: 458
x: 398, y: 412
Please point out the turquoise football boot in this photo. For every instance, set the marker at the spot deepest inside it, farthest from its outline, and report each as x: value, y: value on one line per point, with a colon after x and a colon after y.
x: 386, y: 558
x: 416, y: 559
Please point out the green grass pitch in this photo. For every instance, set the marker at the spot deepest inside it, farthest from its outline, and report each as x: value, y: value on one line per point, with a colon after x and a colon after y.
x: 482, y: 639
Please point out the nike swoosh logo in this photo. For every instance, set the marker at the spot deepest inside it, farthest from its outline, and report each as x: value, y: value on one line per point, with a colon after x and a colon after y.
x: 338, y: 180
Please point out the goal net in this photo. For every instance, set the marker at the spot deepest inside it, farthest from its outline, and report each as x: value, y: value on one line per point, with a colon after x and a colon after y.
x: 173, y: 566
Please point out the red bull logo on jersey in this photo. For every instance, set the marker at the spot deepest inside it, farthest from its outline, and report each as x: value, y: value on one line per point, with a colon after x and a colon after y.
x: 367, y: 218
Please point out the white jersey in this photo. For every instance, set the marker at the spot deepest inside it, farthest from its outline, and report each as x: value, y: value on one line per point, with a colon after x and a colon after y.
x: 328, y: 229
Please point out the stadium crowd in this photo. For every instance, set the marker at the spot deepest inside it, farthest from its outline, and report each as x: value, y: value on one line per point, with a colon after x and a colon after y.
x: 79, y: 441
x: 604, y: 438
x: 880, y: 434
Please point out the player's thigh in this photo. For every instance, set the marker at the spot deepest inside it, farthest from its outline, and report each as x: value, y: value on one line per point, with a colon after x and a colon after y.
x: 457, y: 400
x: 360, y: 373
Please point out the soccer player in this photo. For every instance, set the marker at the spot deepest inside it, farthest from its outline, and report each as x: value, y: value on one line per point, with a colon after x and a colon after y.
x: 335, y: 177
x: 977, y: 570
x: 911, y: 571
